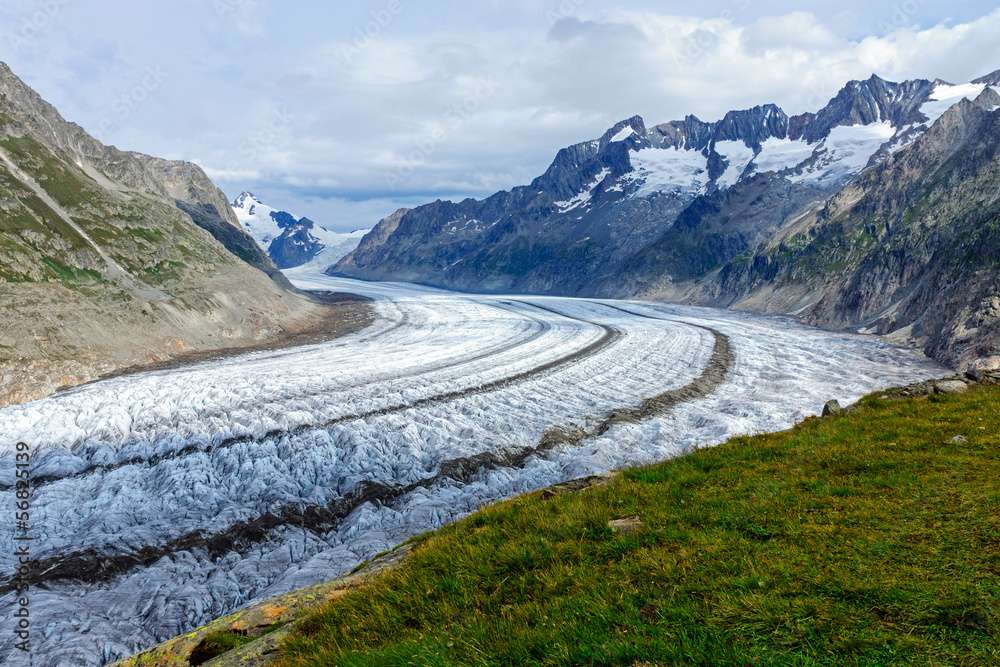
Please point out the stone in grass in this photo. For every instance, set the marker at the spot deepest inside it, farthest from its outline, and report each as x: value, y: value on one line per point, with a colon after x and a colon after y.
x: 951, y: 387
x: 975, y: 375
x: 832, y: 408
x: 626, y: 526
x: 959, y: 440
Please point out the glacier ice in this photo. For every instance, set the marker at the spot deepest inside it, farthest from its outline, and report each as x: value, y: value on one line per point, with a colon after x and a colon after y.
x: 370, y: 422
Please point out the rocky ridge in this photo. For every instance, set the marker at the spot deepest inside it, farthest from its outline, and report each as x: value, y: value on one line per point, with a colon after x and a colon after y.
x: 674, y: 211
x: 111, y: 258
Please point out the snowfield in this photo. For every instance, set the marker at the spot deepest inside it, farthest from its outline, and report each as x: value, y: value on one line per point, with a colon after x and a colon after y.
x: 168, y: 498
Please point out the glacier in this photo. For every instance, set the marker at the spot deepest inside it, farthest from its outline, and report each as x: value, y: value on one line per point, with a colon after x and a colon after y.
x: 167, y: 498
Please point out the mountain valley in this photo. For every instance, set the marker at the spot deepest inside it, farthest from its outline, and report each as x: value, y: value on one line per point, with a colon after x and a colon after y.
x: 847, y: 218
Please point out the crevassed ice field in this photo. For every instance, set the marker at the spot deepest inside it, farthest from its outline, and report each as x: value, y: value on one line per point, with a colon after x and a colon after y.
x: 167, y: 498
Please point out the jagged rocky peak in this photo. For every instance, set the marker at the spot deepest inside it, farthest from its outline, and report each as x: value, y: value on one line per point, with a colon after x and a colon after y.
x: 874, y: 100
x: 753, y: 126
x: 245, y: 199
x: 992, y: 79
x: 630, y: 128
x: 989, y: 99
x: 691, y: 133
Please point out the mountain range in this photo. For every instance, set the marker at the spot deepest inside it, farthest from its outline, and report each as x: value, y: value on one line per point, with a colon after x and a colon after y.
x: 291, y: 241
x: 876, y: 213
x: 110, y: 258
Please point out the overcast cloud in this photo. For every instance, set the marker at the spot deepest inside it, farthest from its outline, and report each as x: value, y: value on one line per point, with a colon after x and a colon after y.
x: 345, y: 111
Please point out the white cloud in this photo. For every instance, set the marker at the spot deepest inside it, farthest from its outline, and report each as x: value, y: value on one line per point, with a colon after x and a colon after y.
x: 430, y: 103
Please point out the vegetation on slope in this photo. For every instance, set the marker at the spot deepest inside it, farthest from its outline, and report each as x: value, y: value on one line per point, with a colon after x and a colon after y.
x: 868, y: 538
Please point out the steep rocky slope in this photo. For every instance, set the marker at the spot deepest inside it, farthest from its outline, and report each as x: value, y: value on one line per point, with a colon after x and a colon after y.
x: 601, y: 202
x: 912, y: 248
x: 111, y: 258
x: 674, y: 210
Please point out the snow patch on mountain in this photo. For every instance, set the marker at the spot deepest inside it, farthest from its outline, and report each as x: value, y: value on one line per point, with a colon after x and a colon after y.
x: 945, y: 96
x: 623, y: 134
x: 584, y: 197
x: 336, y: 245
x: 256, y: 219
x: 738, y: 155
x: 780, y: 154
x: 846, y: 151
x: 667, y: 170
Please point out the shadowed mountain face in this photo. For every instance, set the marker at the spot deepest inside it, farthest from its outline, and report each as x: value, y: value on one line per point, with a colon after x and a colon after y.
x: 912, y: 247
x: 675, y: 210
x: 111, y: 258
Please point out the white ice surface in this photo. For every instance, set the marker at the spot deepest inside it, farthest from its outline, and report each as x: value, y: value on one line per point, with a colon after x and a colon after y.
x: 336, y: 245
x: 623, y: 134
x: 159, y: 474
x: 780, y: 154
x: 738, y: 155
x: 667, y: 170
x: 946, y: 96
x: 257, y: 221
x: 846, y: 151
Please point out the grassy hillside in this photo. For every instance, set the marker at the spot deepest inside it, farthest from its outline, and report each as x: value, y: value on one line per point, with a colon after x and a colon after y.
x: 870, y: 538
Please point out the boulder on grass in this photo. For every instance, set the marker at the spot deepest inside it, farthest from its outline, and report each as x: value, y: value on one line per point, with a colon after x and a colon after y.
x: 626, y: 526
x: 950, y: 387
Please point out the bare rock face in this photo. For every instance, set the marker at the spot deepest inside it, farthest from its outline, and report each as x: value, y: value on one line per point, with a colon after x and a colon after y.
x: 910, y: 249
x: 987, y: 364
x: 832, y: 408
x: 368, y: 251
x: 627, y: 525
x: 951, y: 387
x: 875, y: 213
x: 110, y: 258
x: 167, y: 179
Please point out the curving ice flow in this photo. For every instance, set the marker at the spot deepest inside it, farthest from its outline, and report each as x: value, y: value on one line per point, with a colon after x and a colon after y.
x: 167, y: 498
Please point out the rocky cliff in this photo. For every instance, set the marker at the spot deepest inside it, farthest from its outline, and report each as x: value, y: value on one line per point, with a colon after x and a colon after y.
x: 911, y: 249
x: 678, y: 210
x: 111, y: 258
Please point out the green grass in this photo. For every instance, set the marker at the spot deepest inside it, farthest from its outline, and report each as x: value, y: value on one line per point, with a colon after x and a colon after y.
x: 163, y: 272
x: 217, y: 643
x: 871, y: 538
x: 71, y: 276
x: 69, y: 186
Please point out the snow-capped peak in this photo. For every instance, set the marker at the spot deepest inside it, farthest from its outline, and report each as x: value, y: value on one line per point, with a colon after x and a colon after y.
x: 288, y: 239
x: 245, y: 201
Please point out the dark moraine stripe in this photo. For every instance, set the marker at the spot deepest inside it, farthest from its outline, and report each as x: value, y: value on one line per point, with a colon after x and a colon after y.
x: 91, y: 567
x: 611, y: 335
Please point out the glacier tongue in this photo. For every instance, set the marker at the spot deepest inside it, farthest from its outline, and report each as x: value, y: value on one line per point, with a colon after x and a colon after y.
x: 339, y: 450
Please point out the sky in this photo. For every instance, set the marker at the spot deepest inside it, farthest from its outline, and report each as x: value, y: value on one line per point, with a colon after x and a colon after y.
x: 345, y: 111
